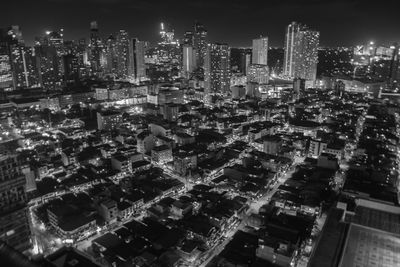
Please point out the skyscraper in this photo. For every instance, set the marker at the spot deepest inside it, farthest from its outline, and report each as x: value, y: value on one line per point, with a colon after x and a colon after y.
x: 94, y: 47
x: 71, y: 68
x: 166, y: 33
x: 137, y: 67
x: 188, y: 38
x: 6, y: 78
x: 394, y: 65
x: 14, y: 224
x: 200, y: 43
x: 189, y: 60
x: 48, y: 63
x: 260, y: 51
x: 6, y: 73
x: 19, y: 66
x: 122, y: 46
x: 301, y: 52
x: 111, y: 55
x: 217, y: 69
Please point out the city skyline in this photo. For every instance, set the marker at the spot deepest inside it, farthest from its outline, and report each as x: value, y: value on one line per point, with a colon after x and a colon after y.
x: 270, y: 19
x: 202, y: 134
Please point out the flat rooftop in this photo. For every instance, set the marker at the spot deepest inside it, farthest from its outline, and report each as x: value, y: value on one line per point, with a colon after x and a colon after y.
x: 369, y: 247
x: 379, y: 219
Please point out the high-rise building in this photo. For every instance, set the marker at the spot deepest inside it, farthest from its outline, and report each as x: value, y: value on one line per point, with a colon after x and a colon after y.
x: 6, y: 77
x: 47, y: 62
x: 217, y: 68
x: 189, y: 60
x: 200, y: 43
x: 188, y: 38
x: 31, y: 75
x: 301, y: 52
x: 19, y: 66
x: 14, y: 224
x: 79, y: 50
x: 6, y: 73
x: 71, y: 68
x: 16, y: 34
x: 137, y: 67
x: 55, y: 39
x: 167, y: 33
x: 258, y: 73
x: 95, y: 46
x: 122, y: 46
x: 260, y: 51
x: 394, y: 65
x: 111, y: 55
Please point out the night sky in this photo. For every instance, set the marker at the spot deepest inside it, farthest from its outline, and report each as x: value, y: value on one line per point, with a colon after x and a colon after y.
x: 341, y: 22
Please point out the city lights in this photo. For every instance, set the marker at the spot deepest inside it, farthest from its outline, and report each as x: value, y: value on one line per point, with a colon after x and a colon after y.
x: 249, y: 140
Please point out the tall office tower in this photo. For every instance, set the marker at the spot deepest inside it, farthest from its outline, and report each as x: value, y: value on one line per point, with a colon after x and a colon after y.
x: 56, y: 40
x: 394, y: 65
x: 301, y: 52
x: 31, y: 75
x: 167, y: 33
x: 137, y: 67
x: 47, y: 62
x: 18, y: 62
x: 6, y: 74
x: 111, y: 55
x: 95, y: 46
x: 188, y: 38
x: 217, y: 69
x: 189, y: 60
x: 260, y: 51
x: 16, y: 33
x: 14, y: 224
x: 122, y: 46
x: 82, y: 55
x: 200, y: 43
x: 71, y: 68
x: 17, y: 59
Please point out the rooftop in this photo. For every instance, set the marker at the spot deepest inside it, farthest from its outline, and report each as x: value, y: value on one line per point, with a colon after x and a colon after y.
x: 370, y: 247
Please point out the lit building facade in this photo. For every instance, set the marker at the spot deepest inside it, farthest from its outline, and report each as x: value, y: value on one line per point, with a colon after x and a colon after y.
x: 189, y: 60
x: 260, y: 51
x: 122, y: 46
x: 301, y: 52
x: 217, y: 69
x: 137, y: 67
x: 108, y: 120
x: 14, y: 225
x: 188, y: 38
x: 111, y: 55
x: 200, y: 43
x: 23, y: 65
x: 6, y: 75
x: 47, y: 63
x: 95, y: 47
x: 258, y: 73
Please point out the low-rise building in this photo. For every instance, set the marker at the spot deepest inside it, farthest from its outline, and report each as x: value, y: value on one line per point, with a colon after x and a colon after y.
x: 272, y: 144
x: 108, y: 120
x: 161, y: 154
x: 108, y: 210
x: 121, y: 163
